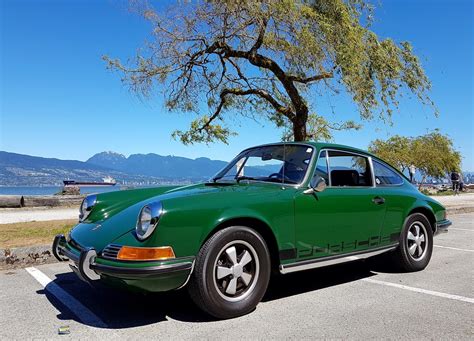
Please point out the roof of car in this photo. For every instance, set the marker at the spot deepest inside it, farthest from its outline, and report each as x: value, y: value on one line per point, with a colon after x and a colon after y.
x: 322, y: 145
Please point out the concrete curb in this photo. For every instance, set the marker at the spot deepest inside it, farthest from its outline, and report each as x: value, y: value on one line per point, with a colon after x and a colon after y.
x: 24, y: 256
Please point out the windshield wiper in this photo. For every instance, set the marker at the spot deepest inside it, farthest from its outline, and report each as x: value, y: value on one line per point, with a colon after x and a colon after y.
x: 217, y: 178
x: 238, y: 179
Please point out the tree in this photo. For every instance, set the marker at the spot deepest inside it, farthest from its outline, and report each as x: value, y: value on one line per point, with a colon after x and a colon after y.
x: 435, y: 156
x: 432, y: 154
x: 263, y: 59
x: 397, y: 151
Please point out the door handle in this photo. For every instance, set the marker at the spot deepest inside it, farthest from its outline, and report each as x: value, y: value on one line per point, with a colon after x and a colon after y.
x: 378, y: 200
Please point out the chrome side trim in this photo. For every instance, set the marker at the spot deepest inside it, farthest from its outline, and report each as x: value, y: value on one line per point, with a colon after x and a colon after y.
x: 332, y: 260
x: 372, y: 170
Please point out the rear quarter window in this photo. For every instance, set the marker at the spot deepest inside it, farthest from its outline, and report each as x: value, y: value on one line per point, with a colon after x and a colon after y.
x: 385, y: 176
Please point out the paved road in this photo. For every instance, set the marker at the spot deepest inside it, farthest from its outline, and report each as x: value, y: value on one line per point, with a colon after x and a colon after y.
x: 463, y: 201
x: 352, y: 301
x: 21, y: 215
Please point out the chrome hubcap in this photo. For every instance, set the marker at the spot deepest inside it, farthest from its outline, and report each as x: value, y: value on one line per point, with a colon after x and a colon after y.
x: 236, y: 270
x: 417, y: 240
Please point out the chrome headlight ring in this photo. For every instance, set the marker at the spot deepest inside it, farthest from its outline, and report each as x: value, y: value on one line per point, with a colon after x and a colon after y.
x: 86, y: 207
x: 148, y: 219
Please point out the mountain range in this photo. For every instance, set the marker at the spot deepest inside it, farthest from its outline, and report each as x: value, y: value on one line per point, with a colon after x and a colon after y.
x: 25, y: 170
x: 157, y: 165
x: 137, y: 169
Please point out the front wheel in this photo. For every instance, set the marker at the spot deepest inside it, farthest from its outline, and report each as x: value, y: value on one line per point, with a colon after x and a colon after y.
x: 416, y: 243
x: 231, y: 273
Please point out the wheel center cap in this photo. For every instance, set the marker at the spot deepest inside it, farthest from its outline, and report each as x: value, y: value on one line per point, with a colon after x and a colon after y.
x: 237, y: 270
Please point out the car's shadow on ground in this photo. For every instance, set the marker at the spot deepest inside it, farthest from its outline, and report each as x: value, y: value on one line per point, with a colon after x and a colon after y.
x: 122, y: 309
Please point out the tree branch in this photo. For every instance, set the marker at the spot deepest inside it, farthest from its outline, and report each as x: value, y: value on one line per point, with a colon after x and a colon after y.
x: 307, y: 80
x: 262, y: 94
x: 239, y: 92
x: 239, y: 72
x: 269, y: 64
x: 261, y: 35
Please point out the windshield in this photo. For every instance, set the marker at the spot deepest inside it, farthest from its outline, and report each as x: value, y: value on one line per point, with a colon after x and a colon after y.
x: 277, y: 163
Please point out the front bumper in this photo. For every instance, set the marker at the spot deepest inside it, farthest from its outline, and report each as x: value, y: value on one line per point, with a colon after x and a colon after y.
x: 148, y: 276
x: 442, y: 226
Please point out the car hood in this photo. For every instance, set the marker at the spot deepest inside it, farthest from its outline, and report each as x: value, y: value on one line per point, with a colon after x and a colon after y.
x: 112, y: 203
x: 100, y: 234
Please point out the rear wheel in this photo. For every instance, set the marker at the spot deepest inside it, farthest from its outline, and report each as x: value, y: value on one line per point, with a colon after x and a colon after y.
x: 231, y: 273
x: 416, y: 243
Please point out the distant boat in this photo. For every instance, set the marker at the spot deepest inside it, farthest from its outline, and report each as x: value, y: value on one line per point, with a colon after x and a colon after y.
x: 107, y: 181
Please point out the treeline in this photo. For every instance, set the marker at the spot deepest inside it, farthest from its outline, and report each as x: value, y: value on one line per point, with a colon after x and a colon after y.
x: 433, y: 154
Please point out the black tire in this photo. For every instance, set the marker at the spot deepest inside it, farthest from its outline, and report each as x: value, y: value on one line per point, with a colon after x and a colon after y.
x: 404, y: 257
x: 210, y: 293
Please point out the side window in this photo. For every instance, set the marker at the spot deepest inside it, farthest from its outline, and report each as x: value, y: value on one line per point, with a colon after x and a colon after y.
x: 322, y: 167
x: 385, y: 176
x: 348, y: 169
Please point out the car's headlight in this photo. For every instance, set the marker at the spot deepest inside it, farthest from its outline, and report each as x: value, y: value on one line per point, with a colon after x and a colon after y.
x: 86, y: 207
x: 148, y: 219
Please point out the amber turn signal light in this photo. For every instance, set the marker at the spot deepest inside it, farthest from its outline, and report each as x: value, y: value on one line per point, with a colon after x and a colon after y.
x: 145, y: 253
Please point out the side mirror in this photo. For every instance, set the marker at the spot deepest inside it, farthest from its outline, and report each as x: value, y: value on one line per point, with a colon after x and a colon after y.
x: 317, y: 184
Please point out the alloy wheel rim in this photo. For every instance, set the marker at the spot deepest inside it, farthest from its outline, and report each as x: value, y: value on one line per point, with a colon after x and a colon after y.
x: 417, y: 241
x: 236, y: 270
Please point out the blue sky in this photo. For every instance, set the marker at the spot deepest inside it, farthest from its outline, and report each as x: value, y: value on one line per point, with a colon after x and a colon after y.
x: 58, y: 100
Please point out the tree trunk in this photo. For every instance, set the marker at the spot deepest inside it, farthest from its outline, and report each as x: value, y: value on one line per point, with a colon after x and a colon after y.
x: 299, y: 132
x: 299, y: 125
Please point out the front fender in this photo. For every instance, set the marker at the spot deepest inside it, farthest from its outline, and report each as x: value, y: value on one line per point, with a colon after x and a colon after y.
x: 188, y: 221
x: 111, y: 203
x: 248, y: 217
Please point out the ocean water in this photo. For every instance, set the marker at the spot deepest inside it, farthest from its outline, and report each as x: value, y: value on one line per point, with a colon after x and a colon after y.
x: 48, y: 190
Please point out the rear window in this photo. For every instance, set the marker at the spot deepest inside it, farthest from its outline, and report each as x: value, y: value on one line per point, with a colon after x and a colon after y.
x: 385, y: 176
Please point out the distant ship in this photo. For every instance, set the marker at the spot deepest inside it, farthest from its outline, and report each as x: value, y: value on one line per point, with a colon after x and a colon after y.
x: 107, y: 181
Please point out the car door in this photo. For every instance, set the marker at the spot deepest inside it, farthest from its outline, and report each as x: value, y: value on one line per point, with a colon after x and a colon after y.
x: 347, y: 216
x: 397, y: 200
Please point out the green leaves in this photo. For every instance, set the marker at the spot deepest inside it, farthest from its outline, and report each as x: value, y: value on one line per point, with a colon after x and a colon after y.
x: 432, y: 154
x: 202, y: 131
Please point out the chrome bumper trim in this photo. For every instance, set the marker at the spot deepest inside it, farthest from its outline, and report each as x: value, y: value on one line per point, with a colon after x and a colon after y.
x: 442, y: 226
x: 89, y: 270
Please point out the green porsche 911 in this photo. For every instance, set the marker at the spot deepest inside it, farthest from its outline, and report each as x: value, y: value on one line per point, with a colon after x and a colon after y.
x: 280, y: 207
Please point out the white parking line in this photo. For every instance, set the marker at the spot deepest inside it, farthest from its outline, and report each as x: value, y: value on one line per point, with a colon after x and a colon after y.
x: 77, y: 308
x: 453, y: 248
x: 455, y: 228
x: 423, y: 291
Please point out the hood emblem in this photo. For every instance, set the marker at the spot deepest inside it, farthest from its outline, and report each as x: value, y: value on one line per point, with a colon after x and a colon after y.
x: 96, y: 227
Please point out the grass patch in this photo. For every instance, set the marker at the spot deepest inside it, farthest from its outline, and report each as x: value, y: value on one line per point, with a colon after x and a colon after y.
x: 439, y: 193
x: 444, y: 193
x: 32, y: 233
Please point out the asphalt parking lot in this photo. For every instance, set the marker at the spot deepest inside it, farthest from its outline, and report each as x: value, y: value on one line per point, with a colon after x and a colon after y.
x: 350, y: 301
